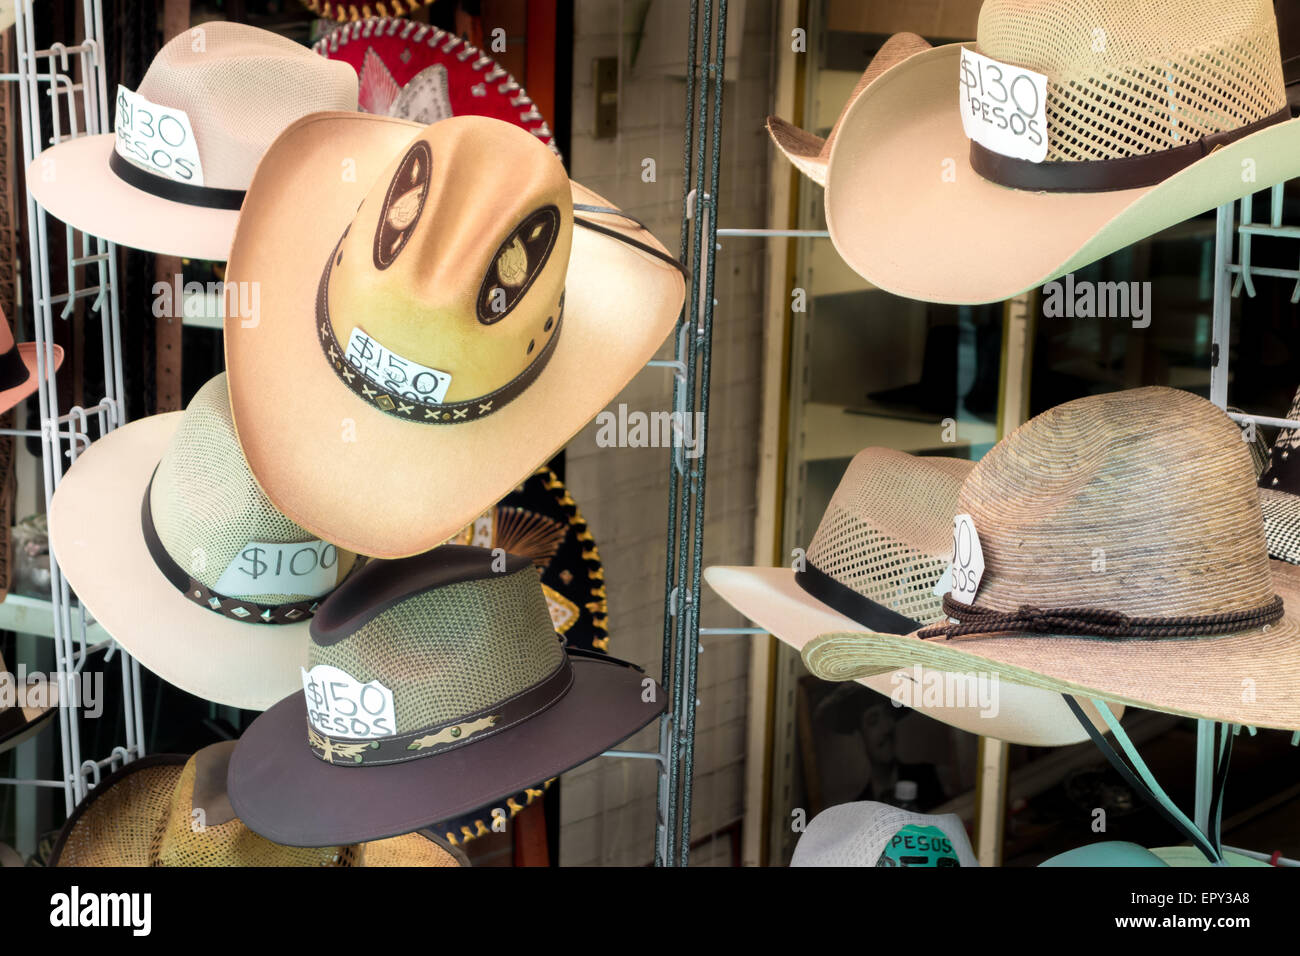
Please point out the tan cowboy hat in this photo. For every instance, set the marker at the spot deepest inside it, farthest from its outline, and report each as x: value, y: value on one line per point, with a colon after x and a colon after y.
x: 809, y: 152
x: 441, y: 310
x: 24, y: 711
x: 169, y: 543
x: 1149, y: 112
x: 1115, y: 549
x: 172, y: 810
x: 873, y: 565
x: 171, y: 176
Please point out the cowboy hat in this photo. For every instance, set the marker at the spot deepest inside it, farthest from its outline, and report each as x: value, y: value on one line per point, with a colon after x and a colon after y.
x: 434, y: 685
x: 21, y: 716
x: 432, y: 326
x: 172, y: 810
x: 172, y: 175
x: 417, y: 72
x: 163, y: 533
x: 1113, y: 547
x: 1129, y: 116
x: 1279, y: 491
x: 867, y: 833
x: 875, y: 563
x: 18, y: 367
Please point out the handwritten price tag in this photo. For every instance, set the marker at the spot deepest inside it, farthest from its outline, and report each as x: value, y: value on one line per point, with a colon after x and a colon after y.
x: 341, y: 706
x: 158, y: 138
x: 1004, y: 107
x: 309, y: 568
x: 406, y: 378
x: 967, y: 559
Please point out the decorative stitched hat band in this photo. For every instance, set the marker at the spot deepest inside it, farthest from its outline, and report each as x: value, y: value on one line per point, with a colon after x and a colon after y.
x: 1097, y: 622
x: 250, y: 612
x: 209, y: 197
x: 443, y: 736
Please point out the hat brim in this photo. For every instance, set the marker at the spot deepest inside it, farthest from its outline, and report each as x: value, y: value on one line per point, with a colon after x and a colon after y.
x: 72, y: 182
x: 10, y: 397
x: 36, y: 719
x: 1251, y: 678
x: 96, y: 536
x: 283, y: 791
x: 110, y: 828
x: 390, y: 493
x: 886, y: 192
x: 772, y: 599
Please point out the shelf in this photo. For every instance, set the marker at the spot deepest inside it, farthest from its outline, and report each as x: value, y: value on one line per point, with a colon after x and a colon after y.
x: 29, y: 615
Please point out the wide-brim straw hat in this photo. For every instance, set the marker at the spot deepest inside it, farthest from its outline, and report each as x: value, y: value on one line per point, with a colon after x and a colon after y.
x: 25, y: 718
x: 1124, y: 559
x: 359, y: 475
x: 148, y: 814
x: 909, y: 213
x: 879, y: 551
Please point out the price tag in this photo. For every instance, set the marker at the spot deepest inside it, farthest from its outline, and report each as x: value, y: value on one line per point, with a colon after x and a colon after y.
x: 158, y: 138
x: 967, y: 559
x: 341, y: 706
x: 406, y: 378
x: 917, y: 845
x: 944, y: 584
x: 1003, y: 107
x: 309, y: 568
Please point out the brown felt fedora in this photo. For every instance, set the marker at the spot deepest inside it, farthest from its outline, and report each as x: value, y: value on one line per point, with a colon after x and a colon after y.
x: 434, y: 685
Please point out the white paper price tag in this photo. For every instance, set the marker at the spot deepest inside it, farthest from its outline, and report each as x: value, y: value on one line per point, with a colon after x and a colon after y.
x: 1003, y: 107
x: 341, y: 706
x: 967, y: 559
x: 158, y: 138
x: 944, y: 584
x: 309, y: 568
x: 406, y: 378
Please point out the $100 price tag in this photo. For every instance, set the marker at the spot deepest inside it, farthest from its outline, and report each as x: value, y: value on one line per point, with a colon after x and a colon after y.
x: 309, y: 568
x: 158, y: 138
x: 967, y: 559
x: 340, y: 705
x: 1004, y: 107
x: 406, y: 378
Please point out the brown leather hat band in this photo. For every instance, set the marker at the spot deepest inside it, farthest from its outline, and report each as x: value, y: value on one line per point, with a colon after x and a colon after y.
x: 439, y: 738
x: 1104, y: 175
x: 406, y: 407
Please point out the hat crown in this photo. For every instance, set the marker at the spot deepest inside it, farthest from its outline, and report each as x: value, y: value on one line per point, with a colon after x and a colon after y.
x: 451, y: 265
x: 241, y: 86
x: 1141, y: 501
x: 1140, y: 76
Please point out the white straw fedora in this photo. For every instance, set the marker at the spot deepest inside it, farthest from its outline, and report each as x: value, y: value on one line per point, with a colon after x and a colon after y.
x: 875, y: 564
x: 172, y: 175
x: 1129, y: 116
x: 1113, y: 547
x: 867, y: 833
x: 169, y: 543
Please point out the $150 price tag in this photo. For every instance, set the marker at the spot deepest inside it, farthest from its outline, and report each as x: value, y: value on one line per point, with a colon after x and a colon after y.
x: 340, y: 705
x: 1003, y: 107
x: 967, y: 559
x: 158, y: 138
x: 309, y: 568
x: 406, y: 378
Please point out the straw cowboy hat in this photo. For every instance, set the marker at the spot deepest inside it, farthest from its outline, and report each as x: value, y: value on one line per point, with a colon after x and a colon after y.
x: 1279, y: 491
x: 434, y: 685
x: 876, y: 563
x: 1115, y: 549
x: 169, y: 543
x: 867, y: 833
x: 1129, y: 116
x: 24, y: 711
x: 172, y: 810
x: 171, y: 176
x: 441, y: 310
x: 417, y: 72
x: 18, y: 366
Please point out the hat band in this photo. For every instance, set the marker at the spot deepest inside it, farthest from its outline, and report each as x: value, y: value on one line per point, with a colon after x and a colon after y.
x: 842, y: 598
x: 1103, y: 175
x: 240, y: 609
x: 447, y: 735
x: 210, y: 197
x: 406, y: 406
x: 1098, y: 622
x: 13, y: 370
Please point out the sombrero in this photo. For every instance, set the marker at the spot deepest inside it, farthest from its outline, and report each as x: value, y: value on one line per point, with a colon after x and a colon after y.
x: 441, y: 310
x: 345, y: 10
x: 18, y: 374
x: 24, y: 711
x: 1129, y: 116
x: 167, y: 541
x: 876, y: 563
x: 1123, y: 558
x: 417, y: 72
x: 171, y: 176
x: 172, y: 810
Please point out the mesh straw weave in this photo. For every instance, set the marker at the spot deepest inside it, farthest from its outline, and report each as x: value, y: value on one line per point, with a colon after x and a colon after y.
x: 1168, y: 72
x: 205, y: 502
x: 887, y: 532
x: 454, y: 650
x: 240, y: 87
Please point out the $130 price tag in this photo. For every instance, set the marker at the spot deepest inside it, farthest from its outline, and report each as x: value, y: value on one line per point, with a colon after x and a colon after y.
x: 309, y: 568
x: 340, y: 705
x: 1003, y: 107
x: 158, y: 138
x: 967, y: 559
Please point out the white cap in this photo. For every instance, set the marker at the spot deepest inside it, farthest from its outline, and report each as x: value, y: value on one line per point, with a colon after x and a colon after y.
x: 860, y: 834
